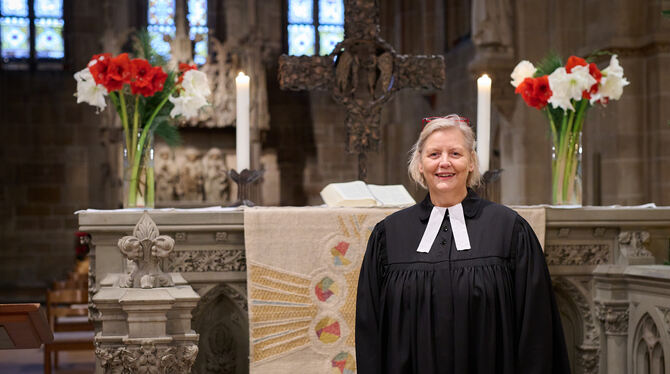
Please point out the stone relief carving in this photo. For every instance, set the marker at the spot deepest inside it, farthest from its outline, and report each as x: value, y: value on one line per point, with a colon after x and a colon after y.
x: 191, y: 177
x: 215, y: 176
x: 577, y: 254
x: 588, y: 359
x: 144, y: 248
x: 147, y: 358
x: 614, y: 317
x: 225, y: 60
x: 634, y: 244
x: 666, y: 317
x: 167, y: 174
x: 207, y: 260
x: 185, y: 175
x: 492, y: 23
x: 591, y: 336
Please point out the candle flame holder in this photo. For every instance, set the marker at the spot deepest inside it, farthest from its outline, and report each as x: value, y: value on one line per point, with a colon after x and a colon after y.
x: 244, y: 179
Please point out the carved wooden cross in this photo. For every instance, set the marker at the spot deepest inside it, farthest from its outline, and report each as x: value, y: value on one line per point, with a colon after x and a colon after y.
x: 363, y: 72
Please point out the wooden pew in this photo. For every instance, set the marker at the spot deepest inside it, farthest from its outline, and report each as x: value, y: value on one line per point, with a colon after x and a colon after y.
x: 60, y: 304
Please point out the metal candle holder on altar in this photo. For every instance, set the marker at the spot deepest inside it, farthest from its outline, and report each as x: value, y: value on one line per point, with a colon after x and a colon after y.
x: 245, y: 179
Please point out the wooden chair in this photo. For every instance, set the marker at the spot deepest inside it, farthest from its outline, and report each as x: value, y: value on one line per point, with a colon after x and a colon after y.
x: 66, y: 303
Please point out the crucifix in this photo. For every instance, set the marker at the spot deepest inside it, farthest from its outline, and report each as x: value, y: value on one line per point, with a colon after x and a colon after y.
x: 362, y: 73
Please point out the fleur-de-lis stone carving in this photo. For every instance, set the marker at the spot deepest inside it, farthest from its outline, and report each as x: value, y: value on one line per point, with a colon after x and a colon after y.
x: 145, y: 248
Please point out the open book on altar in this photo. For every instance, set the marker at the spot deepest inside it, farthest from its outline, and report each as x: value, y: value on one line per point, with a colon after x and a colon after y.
x: 360, y: 194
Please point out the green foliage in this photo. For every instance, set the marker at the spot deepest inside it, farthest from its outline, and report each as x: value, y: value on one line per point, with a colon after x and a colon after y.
x: 142, y: 48
x: 597, y: 53
x: 169, y: 133
x: 548, y: 64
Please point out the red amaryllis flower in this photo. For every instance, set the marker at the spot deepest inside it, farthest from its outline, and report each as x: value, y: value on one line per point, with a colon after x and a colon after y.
x: 158, y: 79
x: 142, y: 73
x: 598, y: 76
x: 183, y: 68
x: 535, y: 91
x: 574, y: 61
x: 98, y: 67
x: 118, y: 72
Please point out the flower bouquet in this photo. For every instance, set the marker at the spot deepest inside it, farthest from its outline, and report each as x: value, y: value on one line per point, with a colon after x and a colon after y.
x: 564, y: 93
x: 143, y: 94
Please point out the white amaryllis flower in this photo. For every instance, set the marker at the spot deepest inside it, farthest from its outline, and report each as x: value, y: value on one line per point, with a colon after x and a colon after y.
x: 569, y: 86
x: 88, y: 91
x: 187, y: 104
x: 195, y: 82
x: 193, y: 96
x: 612, y: 82
x: 523, y: 70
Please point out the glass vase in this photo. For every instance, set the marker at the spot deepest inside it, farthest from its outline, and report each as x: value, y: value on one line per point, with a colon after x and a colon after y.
x: 138, y: 173
x: 566, y: 167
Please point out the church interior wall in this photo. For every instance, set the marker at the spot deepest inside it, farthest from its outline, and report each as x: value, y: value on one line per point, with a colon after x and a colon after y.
x: 57, y: 158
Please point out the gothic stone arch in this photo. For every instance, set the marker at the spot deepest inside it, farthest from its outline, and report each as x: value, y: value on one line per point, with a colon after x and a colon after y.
x: 221, y: 319
x: 577, y: 315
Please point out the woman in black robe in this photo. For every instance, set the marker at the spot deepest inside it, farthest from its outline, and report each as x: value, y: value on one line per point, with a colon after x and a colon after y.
x: 475, y: 300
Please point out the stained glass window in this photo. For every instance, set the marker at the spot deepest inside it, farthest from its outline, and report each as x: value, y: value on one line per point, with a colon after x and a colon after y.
x: 329, y: 36
x: 15, y: 37
x: 17, y: 8
x: 18, y: 21
x: 306, y: 18
x: 160, y: 19
x: 197, y: 20
x: 331, y: 12
x: 49, y: 8
x: 161, y: 22
x: 300, y: 40
x: 49, y: 38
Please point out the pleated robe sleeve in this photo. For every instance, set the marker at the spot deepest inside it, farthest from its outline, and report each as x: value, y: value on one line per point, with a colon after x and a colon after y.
x: 368, y: 334
x: 539, y: 333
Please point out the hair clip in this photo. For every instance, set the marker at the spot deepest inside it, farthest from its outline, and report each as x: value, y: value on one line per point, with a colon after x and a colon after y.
x: 454, y: 117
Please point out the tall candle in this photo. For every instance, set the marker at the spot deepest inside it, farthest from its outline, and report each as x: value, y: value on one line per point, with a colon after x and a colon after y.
x: 242, y: 132
x: 483, y: 121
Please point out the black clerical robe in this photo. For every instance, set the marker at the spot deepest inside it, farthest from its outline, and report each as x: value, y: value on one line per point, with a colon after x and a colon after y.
x: 489, y: 309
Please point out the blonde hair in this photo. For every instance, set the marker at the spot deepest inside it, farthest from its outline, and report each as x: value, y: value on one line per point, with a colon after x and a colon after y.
x: 438, y: 124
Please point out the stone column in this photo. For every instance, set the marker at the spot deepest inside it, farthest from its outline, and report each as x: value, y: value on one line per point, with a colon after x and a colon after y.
x: 146, y: 314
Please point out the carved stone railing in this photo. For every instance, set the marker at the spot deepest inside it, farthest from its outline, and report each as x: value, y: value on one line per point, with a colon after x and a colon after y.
x: 593, y: 254
x: 613, y: 301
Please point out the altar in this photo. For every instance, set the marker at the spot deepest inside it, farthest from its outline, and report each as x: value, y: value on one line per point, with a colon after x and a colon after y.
x: 612, y: 292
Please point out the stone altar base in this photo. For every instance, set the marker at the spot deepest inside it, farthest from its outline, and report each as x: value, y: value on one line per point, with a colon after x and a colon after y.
x: 144, y: 330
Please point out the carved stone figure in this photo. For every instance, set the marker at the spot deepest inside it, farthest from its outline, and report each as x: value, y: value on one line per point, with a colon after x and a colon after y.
x: 145, y: 248
x: 492, y: 23
x: 166, y: 174
x: 216, y: 184
x: 190, y: 186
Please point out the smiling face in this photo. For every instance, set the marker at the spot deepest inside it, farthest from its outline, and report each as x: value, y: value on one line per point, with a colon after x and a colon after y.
x: 445, y: 165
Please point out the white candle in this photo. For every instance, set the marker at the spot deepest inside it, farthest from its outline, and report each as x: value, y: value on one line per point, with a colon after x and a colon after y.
x: 242, y: 132
x: 483, y: 121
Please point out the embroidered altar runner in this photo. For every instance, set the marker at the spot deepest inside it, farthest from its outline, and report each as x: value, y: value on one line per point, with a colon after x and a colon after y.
x: 302, y: 273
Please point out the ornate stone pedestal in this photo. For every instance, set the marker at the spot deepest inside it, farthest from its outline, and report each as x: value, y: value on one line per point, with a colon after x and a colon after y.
x: 145, y: 328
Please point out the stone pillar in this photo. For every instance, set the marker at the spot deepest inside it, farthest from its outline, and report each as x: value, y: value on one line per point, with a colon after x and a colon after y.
x: 146, y: 314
